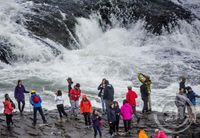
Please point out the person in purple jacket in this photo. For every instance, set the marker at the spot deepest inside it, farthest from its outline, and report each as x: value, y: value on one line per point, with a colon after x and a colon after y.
x: 19, y: 95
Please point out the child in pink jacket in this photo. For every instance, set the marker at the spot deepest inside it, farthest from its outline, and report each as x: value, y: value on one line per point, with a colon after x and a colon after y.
x: 160, y: 134
x: 126, y: 113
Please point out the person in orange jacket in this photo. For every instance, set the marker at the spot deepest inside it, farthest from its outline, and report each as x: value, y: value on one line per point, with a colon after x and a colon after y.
x: 8, y: 108
x: 142, y: 133
x: 86, y: 109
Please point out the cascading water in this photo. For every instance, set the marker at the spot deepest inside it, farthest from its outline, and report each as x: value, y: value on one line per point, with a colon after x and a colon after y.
x: 117, y: 53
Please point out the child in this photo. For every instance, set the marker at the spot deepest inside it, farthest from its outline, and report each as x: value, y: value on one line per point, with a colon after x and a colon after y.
x: 142, y: 133
x: 36, y: 101
x: 112, y: 119
x: 96, y: 123
x: 60, y: 101
x: 86, y: 109
x: 8, y: 108
x: 117, y: 111
x: 126, y: 112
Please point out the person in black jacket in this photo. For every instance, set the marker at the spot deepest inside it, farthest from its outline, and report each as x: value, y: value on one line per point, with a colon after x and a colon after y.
x: 101, y: 94
x: 108, y: 95
x: 117, y: 113
x: 182, y: 84
x: 112, y: 119
x: 70, y: 83
x: 144, y: 95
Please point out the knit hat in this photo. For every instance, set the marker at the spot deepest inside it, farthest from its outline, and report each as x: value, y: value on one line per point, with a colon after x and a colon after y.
x: 33, y: 91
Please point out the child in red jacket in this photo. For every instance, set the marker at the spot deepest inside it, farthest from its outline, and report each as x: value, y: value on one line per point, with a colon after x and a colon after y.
x: 8, y: 108
x: 86, y: 109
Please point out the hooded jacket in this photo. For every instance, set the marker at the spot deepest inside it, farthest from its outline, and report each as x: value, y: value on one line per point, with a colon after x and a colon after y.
x: 161, y: 134
x: 126, y: 111
x: 75, y: 94
x: 96, y: 120
x: 130, y: 97
x: 8, y: 107
x: 108, y: 92
x: 142, y: 134
x: 35, y: 105
x: 192, y: 97
x: 85, y: 106
x: 112, y: 115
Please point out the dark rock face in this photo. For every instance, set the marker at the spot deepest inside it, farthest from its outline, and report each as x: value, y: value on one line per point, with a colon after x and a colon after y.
x: 56, y: 19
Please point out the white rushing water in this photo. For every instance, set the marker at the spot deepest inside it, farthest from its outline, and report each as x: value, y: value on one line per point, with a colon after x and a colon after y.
x: 117, y: 54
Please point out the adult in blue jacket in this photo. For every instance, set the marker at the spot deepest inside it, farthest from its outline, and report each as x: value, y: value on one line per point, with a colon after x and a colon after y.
x: 191, y: 95
x: 36, y: 101
x: 19, y: 95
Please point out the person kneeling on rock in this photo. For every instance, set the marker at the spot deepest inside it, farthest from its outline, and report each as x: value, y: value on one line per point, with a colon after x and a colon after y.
x: 36, y: 101
x: 86, y: 109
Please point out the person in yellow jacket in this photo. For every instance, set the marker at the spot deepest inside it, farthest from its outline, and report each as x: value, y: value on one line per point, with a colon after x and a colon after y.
x: 146, y: 79
x: 142, y: 133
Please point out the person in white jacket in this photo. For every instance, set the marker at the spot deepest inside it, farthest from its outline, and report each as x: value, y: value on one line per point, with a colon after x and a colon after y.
x: 60, y: 104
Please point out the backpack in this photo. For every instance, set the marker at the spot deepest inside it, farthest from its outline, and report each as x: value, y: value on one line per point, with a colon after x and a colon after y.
x: 36, y: 99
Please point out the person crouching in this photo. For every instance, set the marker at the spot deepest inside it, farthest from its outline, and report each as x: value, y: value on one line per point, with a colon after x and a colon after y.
x: 86, y: 109
x: 36, y: 101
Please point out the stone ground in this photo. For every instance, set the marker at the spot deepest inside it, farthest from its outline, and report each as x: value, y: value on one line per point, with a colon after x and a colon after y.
x: 76, y: 129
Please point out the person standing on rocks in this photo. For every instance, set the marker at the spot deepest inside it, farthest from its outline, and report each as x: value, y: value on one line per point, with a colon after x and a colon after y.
x: 191, y: 95
x: 131, y: 99
x: 108, y: 95
x: 60, y: 104
x: 8, y: 108
x: 144, y: 96
x: 19, y: 95
x: 86, y: 109
x: 112, y: 119
x: 117, y: 112
x: 126, y: 112
x: 101, y: 94
x: 69, y: 86
x: 182, y: 84
x: 181, y: 101
x: 96, y: 123
x: 75, y: 94
x: 36, y: 101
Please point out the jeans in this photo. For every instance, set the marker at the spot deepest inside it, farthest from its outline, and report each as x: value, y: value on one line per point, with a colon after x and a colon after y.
x: 87, y: 119
x: 181, y: 112
x: 96, y: 130
x: 74, y: 107
x: 21, y: 109
x: 108, y: 102
x: 8, y: 120
x: 61, y: 110
x: 127, y: 125
x: 192, y: 113
x: 35, y: 109
x: 103, y: 102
